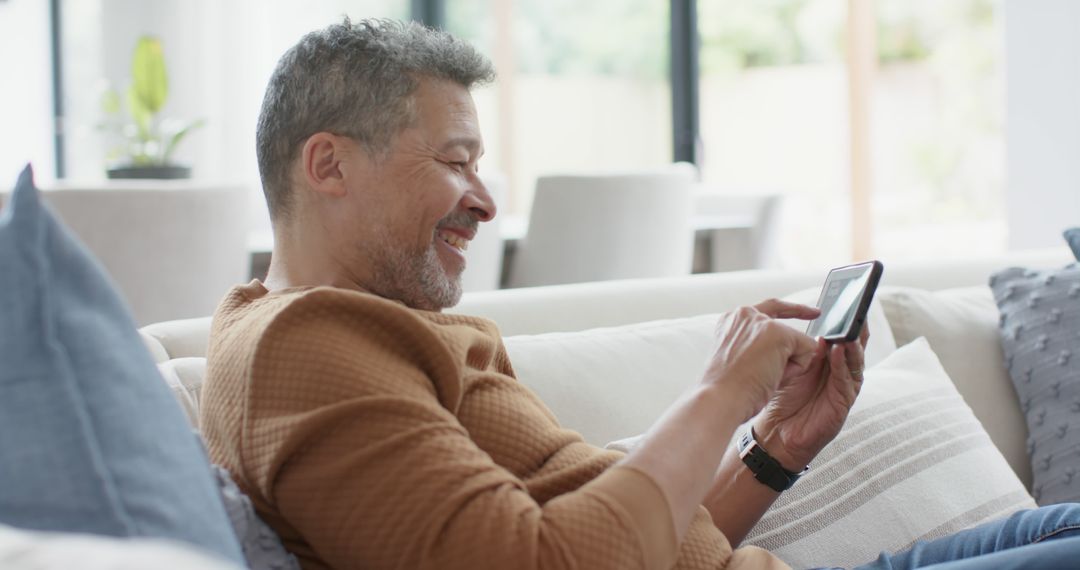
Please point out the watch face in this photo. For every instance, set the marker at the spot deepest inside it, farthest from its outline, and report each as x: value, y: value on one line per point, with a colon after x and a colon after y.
x: 745, y: 440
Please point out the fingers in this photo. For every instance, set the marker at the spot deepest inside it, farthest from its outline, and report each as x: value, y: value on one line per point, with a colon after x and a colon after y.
x: 759, y: 351
x: 847, y: 381
x: 855, y: 359
x: 778, y: 309
x: 864, y: 335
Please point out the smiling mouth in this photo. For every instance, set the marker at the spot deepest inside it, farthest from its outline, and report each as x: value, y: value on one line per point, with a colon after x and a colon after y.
x: 455, y: 241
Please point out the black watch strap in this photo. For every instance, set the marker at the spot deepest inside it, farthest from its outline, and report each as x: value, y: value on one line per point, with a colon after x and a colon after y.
x: 763, y: 466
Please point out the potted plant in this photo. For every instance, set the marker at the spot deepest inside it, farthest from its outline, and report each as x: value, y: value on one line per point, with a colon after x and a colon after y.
x: 144, y: 141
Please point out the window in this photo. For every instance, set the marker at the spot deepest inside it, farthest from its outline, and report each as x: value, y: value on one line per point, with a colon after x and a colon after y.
x: 778, y: 113
x: 774, y: 115
x: 582, y: 86
x: 586, y: 86
x: 937, y: 129
x: 26, y: 112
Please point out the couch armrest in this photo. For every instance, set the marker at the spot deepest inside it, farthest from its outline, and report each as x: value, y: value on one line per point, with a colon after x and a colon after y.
x: 181, y: 338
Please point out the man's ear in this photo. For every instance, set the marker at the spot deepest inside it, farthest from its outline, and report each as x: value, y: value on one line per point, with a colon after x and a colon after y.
x: 320, y: 162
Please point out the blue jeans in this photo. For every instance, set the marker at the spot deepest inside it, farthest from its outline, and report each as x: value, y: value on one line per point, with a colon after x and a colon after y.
x: 1045, y: 538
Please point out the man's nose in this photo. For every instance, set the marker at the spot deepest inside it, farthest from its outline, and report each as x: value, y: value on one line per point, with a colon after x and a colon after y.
x: 479, y: 201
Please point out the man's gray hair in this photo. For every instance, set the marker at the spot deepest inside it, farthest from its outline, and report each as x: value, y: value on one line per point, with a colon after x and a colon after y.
x: 354, y: 80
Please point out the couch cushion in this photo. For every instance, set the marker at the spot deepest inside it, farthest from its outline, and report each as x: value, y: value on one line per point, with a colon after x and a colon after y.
x: 184, y: 376
x: 901, y: 470
x: 182, y: 338
x: 157, y: 351
x: 961, y: 326
x: 90, y: 438
x: 1040, y: 334
x: 28, y: 550
x: 607, y: 382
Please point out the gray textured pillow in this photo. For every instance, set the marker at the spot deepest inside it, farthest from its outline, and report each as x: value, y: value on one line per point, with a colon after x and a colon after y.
x: 262, y: 547
x: 1040, y: 337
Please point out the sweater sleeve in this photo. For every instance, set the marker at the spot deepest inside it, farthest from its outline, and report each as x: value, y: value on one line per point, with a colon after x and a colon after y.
x: 349, y: 434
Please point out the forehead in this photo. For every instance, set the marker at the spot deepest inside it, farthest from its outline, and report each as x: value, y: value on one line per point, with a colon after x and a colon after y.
x: 446, y: 110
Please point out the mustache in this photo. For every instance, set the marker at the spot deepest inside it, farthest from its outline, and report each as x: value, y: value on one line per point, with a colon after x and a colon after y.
x: 459, y: 219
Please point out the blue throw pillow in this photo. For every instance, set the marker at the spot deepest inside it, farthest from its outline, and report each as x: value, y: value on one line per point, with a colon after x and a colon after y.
x: 1073, y: 237
x: 91, y: 440
x: 1040, y: 336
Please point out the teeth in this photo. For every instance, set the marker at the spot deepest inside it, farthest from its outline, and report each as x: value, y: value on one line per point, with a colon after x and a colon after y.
x: 455, y: 240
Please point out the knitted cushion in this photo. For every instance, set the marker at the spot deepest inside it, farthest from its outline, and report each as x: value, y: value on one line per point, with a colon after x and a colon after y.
x: 1040, y: 337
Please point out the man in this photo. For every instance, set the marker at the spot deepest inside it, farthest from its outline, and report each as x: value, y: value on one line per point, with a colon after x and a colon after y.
x: 372, y: 430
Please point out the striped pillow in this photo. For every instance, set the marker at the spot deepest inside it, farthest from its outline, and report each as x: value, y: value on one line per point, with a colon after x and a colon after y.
x: 911, y: 463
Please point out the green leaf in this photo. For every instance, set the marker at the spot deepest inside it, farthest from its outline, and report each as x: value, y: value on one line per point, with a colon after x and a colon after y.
x: 139, y: 113
x: 177, y: 137
x: 149, y: 81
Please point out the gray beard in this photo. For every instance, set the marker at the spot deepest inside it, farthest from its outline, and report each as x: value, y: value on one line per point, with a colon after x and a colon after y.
x: 415, y: 278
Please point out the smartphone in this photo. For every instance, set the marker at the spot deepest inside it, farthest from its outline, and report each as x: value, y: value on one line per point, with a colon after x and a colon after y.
x: 845, y: 300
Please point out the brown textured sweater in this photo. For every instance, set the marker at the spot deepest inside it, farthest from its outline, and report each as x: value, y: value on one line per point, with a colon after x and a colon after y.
x: 371, y: 435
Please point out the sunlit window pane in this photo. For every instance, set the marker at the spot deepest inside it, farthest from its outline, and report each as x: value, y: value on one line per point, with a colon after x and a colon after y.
x: 937, y: 134
x: 583, y: 85
x: 774, y: 116
x: 26, y: 126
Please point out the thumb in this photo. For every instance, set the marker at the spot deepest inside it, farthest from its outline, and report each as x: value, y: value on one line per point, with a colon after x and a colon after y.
x: 803, y: 354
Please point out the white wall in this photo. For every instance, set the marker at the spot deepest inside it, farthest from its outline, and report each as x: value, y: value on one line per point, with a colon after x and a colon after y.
x: 26, y: 133
x: 219, y: 56
x: 1042, y: 46
x: 209, y: 78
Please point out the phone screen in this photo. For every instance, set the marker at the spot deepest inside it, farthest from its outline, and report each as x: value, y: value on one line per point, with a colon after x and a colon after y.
x: 844, y: 301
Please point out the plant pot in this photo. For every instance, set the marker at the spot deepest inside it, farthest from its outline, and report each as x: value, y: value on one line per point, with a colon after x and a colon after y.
x: 159, y: 172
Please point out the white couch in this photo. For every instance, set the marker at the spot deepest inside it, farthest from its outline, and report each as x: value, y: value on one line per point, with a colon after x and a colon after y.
x: 613, y: 382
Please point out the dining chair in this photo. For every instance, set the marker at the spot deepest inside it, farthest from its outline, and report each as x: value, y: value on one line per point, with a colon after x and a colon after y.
x: 597, y: 227
x: 747, y: 246
x: 173, y: 248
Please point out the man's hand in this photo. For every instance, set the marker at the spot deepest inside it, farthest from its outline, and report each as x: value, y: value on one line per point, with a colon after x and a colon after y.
x: 808, y: 409
x: 756, y: 354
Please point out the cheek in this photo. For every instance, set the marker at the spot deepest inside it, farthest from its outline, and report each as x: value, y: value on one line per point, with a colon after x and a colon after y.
x: 424, y: 194
x: 439, y: 198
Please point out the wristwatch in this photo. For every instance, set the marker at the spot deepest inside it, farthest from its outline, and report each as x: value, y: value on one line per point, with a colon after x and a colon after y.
x: 763, y: 466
